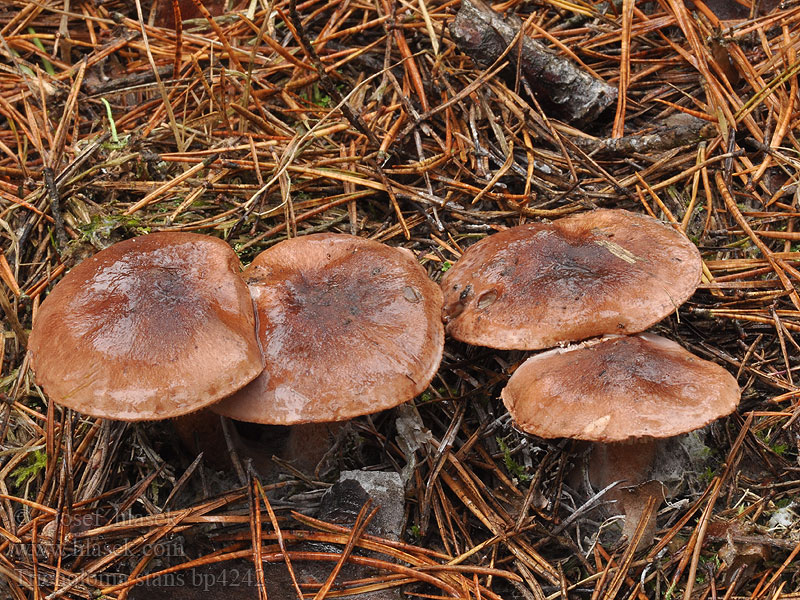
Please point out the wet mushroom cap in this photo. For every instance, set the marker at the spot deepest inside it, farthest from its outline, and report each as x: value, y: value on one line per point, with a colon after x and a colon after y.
x: 347, y: 326
x: 537, y: 285
x: 618, y: 389
x: 152, y: 327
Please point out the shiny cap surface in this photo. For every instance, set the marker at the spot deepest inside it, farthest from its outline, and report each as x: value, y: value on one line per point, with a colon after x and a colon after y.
x: 347, y: 326
x: 152, y: 327
x: 602, y: 272
x: 618, y: 388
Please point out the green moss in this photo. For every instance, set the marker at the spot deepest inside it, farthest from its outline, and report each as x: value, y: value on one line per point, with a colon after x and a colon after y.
x: 37, y: 463
x: 512, y: 466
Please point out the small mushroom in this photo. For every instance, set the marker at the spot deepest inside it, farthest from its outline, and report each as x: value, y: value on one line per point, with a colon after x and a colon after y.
x: 537, y: 285
x: 622, y: 392
x: 150, y: 328
x: 347, y: 327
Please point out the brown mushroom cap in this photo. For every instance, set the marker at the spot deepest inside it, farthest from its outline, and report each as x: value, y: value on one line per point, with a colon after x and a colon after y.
x: 347, y: 327
x: 617, y: 389
x: 537, y: 285
x: 149, y: 328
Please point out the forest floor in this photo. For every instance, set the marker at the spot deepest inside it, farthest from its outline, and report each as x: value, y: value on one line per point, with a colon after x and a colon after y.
x: 276, y: 119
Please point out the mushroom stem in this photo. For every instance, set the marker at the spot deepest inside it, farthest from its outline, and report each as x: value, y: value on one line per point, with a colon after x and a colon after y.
x: 304, y: 446
x: 201, y: 431
x: 629, y: 462
x: 308, y: 444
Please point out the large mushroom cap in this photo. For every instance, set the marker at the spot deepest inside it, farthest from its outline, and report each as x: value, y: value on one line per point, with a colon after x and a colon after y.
x: 537, y: 285
x: 617, y: 389
x: 347, y: 327
x: 149, y: 328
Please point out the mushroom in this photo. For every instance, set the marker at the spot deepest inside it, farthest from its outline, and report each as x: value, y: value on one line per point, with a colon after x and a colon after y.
x: 152, y: 327
x: 602, y: 272
x: 623, y: 393
x: 347, y: 327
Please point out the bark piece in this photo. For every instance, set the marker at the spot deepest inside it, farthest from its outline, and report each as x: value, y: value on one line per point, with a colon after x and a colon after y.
x: 678, y: 131
x: 559, y: 83
x: 343, y: 501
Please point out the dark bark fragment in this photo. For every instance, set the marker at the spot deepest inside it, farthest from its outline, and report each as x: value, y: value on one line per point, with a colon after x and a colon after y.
x: 676, y: 133
x: 558, y: 83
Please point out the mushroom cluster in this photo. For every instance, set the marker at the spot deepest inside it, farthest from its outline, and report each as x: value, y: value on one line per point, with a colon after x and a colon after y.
x: 602, y: 273
x: 164, y: 324
x: 328, y: 326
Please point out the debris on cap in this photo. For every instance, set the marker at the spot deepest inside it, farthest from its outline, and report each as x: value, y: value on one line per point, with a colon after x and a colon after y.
x: 602, y: 272
x: 152, y: 327
x: 347, y: 327
x: 618, y: 388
